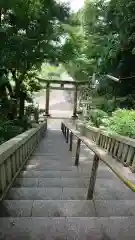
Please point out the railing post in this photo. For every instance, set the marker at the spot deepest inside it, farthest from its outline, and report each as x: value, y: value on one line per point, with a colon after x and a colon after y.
x: 62, y: 127
x: 93, y: 177
x: 71, y: 142
x: 64, y: 131
x: 77, y: 152
x: 98, y: 137
x: 75, y: 103
x: 67, y: 135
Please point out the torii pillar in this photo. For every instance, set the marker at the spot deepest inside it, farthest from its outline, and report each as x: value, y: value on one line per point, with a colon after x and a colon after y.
x: 75, y: 103
x: 47, y: 100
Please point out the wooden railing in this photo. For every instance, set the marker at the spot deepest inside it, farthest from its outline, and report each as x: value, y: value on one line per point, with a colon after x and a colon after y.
x: 120, y: 147
x: 14, y: 154
x: 100, y: 154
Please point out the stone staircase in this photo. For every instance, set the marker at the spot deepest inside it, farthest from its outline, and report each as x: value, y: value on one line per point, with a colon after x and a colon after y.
x: 48, y: 199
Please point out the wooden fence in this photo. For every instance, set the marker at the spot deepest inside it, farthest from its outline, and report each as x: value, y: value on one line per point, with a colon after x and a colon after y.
x: 120, y: 147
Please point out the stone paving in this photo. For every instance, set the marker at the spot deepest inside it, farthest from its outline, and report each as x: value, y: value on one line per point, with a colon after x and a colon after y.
x: 48, y: 199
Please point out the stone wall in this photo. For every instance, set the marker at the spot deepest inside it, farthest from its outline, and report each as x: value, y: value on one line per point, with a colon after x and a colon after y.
x: 14, y: 154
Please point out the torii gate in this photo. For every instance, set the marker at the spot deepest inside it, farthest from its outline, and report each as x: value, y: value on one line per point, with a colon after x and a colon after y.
x: 75, y: 88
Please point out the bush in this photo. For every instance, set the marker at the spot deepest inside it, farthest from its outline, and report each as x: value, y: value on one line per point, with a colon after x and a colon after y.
x: 108, y: 105
x: 127, y: 102
x: 12, y: 128
x: 31, y: 110
x: 97, y: 116
x: 9, y: 130
x: 122, y: 122
x: 24, y: 123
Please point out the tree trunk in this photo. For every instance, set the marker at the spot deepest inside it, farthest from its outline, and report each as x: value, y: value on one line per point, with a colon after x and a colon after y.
x: 16, y: 92
x: 21, y: 105
x: 19, y: 94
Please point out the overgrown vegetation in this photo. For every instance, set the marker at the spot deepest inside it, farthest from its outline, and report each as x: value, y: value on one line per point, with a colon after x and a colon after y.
x: 102, y: 41
x: 38, y: 35
x: 121, y: 122
x: 30, y: 34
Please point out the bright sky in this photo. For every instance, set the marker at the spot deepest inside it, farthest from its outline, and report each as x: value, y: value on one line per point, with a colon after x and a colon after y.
x: 75, y: 4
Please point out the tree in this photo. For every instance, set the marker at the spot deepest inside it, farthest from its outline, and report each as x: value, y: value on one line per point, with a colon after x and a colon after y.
x: 121, y: 17
x: 30, y: 32
x: 107, y: 44
x: 87, y: 38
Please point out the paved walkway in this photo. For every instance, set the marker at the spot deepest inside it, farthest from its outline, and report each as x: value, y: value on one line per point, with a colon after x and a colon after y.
x: 48, y: 200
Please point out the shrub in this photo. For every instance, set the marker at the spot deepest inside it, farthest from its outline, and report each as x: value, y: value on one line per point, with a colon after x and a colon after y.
x: 122, y: 122
x: 31, y: 110
x: 97, y: 116
x: 9, y: 130
x: 108, y: 105
x: 12, y: 128
x: 127, y: 102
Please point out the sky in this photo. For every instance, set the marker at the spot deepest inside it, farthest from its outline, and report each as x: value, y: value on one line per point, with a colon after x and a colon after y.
x: 75, y: 4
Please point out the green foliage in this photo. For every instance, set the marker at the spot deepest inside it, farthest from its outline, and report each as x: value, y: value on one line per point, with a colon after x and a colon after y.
x: 49, y: 71
x: 33, y: 110
x: 107, y: 105
x: 97, y: 117
x: 87, y: 40
x: 127, y: 102
x: 30, y: 34
x: 104, y: 43
x: 122, y: 122
x: 9, y: 129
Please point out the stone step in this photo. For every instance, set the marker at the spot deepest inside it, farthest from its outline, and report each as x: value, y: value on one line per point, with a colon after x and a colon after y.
x: 48, y: 182
x: 44, y: 164
x: 53, y: 174
x: 60, y: 157
x: 110, y: 208
x: 72, y: 172
x: 67, y: 208
x: 52, y: 154
x: 47, y: 193
x: 56, y: 162
x: 53, y: 167
x: 67, y: 182
x: 68, y: 193
x: 118, y: 228
x: 35, y: 193
x: 63, y: 167
x: 47, y: 208
x: 50, y: 161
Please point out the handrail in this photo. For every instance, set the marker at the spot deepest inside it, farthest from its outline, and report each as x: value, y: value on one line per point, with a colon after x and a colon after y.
x: 100, y: 154
x: 116, y: 136
x: 119, y: 147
